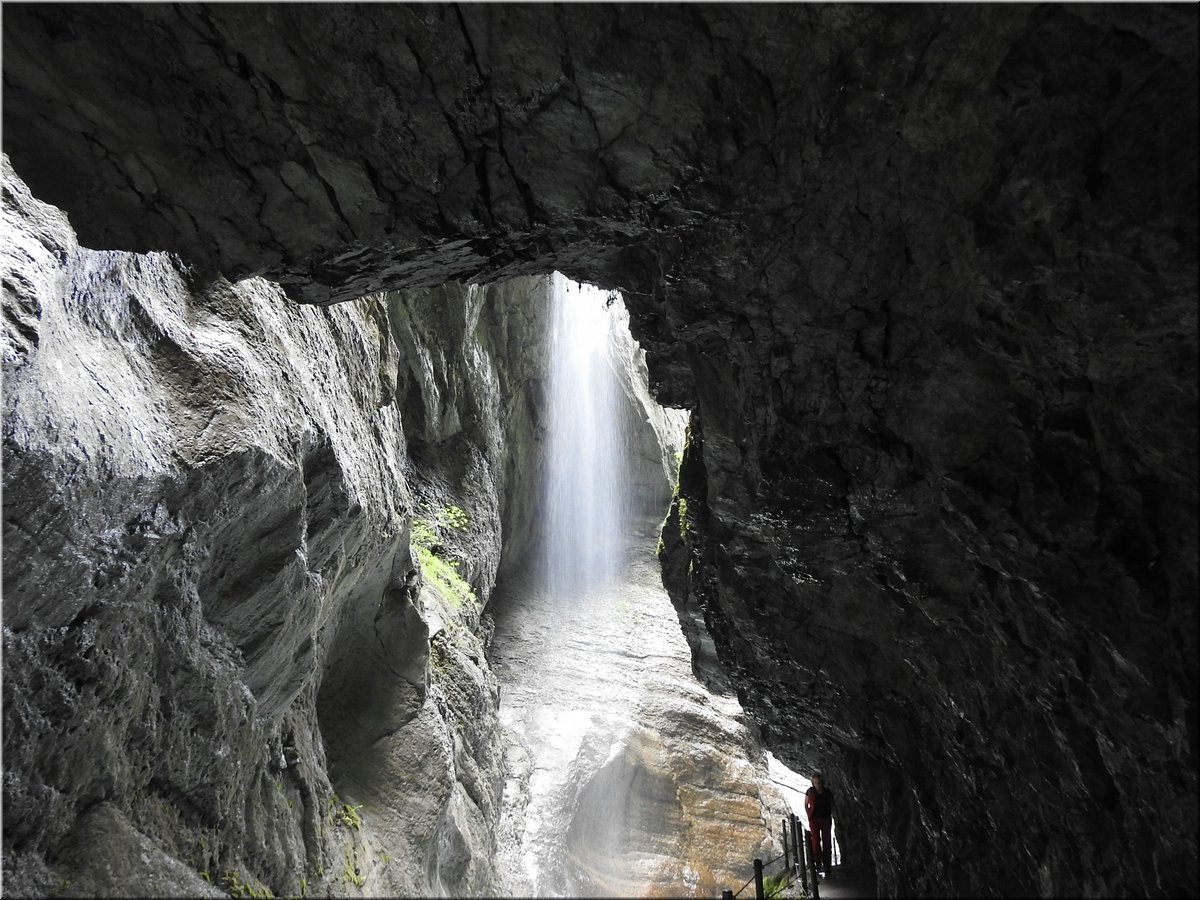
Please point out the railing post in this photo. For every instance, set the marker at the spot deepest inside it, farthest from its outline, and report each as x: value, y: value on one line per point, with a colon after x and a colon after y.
x: 798, y: 837
x: 759, y: 892
x: 791, y: 837
x: 727, y: 894
x: 811, y: 852
x: 787, y: 859
x: 796, y: 857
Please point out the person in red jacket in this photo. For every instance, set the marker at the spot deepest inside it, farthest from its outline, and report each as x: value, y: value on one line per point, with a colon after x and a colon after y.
x: 818, y: 803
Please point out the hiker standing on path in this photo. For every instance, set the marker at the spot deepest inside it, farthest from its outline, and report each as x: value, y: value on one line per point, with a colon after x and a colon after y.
x: 818, y: 803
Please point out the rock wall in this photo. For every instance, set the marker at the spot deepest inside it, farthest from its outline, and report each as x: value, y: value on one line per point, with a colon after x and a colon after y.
x: 222, y: 665
x: 249, y: 551
x: 925, y: 275
x: 626, y: 777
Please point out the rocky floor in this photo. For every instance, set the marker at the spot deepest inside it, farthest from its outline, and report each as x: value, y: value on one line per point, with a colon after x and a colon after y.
x: 625, y: 776
x: 847, y: 883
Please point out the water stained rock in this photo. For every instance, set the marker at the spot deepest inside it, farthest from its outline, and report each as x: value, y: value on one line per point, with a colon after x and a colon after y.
x: 925, y: 274
x: 625, y: 776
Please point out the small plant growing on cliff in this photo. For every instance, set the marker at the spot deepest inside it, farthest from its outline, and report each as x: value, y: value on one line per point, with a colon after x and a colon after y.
x: 343, y: 813
x: 348, y: 816
x: 430, y: 551
x: 773, y: 885
x: 350, y: 873
x: 427, y: 530
x: 239, y: 887
x: 423, y: 533
x: 454, y: 517
x: 445, y: 576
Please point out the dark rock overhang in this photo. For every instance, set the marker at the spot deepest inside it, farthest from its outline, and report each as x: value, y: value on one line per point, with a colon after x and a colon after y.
x: 926, y: 274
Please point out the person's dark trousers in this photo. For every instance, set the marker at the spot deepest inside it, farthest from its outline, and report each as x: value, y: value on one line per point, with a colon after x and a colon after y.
x: 822, y: 846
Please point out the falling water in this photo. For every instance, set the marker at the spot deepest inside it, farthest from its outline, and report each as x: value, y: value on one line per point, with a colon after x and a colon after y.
x: 585, y: 490
x: 624, y: 776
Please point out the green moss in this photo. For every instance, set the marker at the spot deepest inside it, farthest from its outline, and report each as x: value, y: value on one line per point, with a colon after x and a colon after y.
x: 340, y: 812
x: 773, y: 885
x: 454, y: 517
x: 439, y: 657
x: 350, y: 871
x: 427, y: 544
x: 683, y: 511
x: 445, y: 577
x: 239, y: 887
x: 348, y: 815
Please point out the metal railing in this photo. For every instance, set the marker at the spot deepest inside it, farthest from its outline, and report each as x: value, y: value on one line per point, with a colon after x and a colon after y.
x: 799, y: 863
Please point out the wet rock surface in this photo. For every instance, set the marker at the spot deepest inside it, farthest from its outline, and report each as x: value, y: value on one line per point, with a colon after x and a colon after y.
x: 224, y: 669
x: 925, y: 275
x: 626, y: 777
x: 178, y: 560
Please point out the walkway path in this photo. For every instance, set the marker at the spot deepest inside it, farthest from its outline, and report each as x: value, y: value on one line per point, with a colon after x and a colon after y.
x: 846, y: 882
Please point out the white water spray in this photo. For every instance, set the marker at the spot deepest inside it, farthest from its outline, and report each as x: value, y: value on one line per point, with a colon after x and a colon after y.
x: 621, y: 769
x: 585, y: 498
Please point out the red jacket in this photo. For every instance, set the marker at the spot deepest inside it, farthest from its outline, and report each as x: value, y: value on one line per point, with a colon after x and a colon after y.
x: 818, y: 804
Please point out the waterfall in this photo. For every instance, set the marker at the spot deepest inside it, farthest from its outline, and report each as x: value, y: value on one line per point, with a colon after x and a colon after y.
x: 624, y: 776
x: 585, y: 499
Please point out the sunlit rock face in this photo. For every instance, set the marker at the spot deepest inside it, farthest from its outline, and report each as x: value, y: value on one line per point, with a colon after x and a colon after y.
x: 184, y: 498
x: 626, y: 777
x: 925, y: 275
x: 219, y: 669
x: 249, y: 550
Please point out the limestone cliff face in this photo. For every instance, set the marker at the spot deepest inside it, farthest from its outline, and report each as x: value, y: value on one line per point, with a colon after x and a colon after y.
x: 925, y: 275
x: 249, y: 551
x: 626, y: 777
x: 219, y: 665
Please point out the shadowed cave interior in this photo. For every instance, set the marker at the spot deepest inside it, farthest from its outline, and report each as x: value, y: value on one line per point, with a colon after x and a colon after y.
x: 277, y: 296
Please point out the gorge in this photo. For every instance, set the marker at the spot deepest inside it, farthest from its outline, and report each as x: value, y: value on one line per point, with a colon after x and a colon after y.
x: 275, y: 283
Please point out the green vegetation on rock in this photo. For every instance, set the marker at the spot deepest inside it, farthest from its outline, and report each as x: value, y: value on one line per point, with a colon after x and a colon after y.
x: 240, y: 887
x: 348, y: 815
x: 350, y: 873
x: 454, y: 517
x: 427, y: 544
x: 445, y: 577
